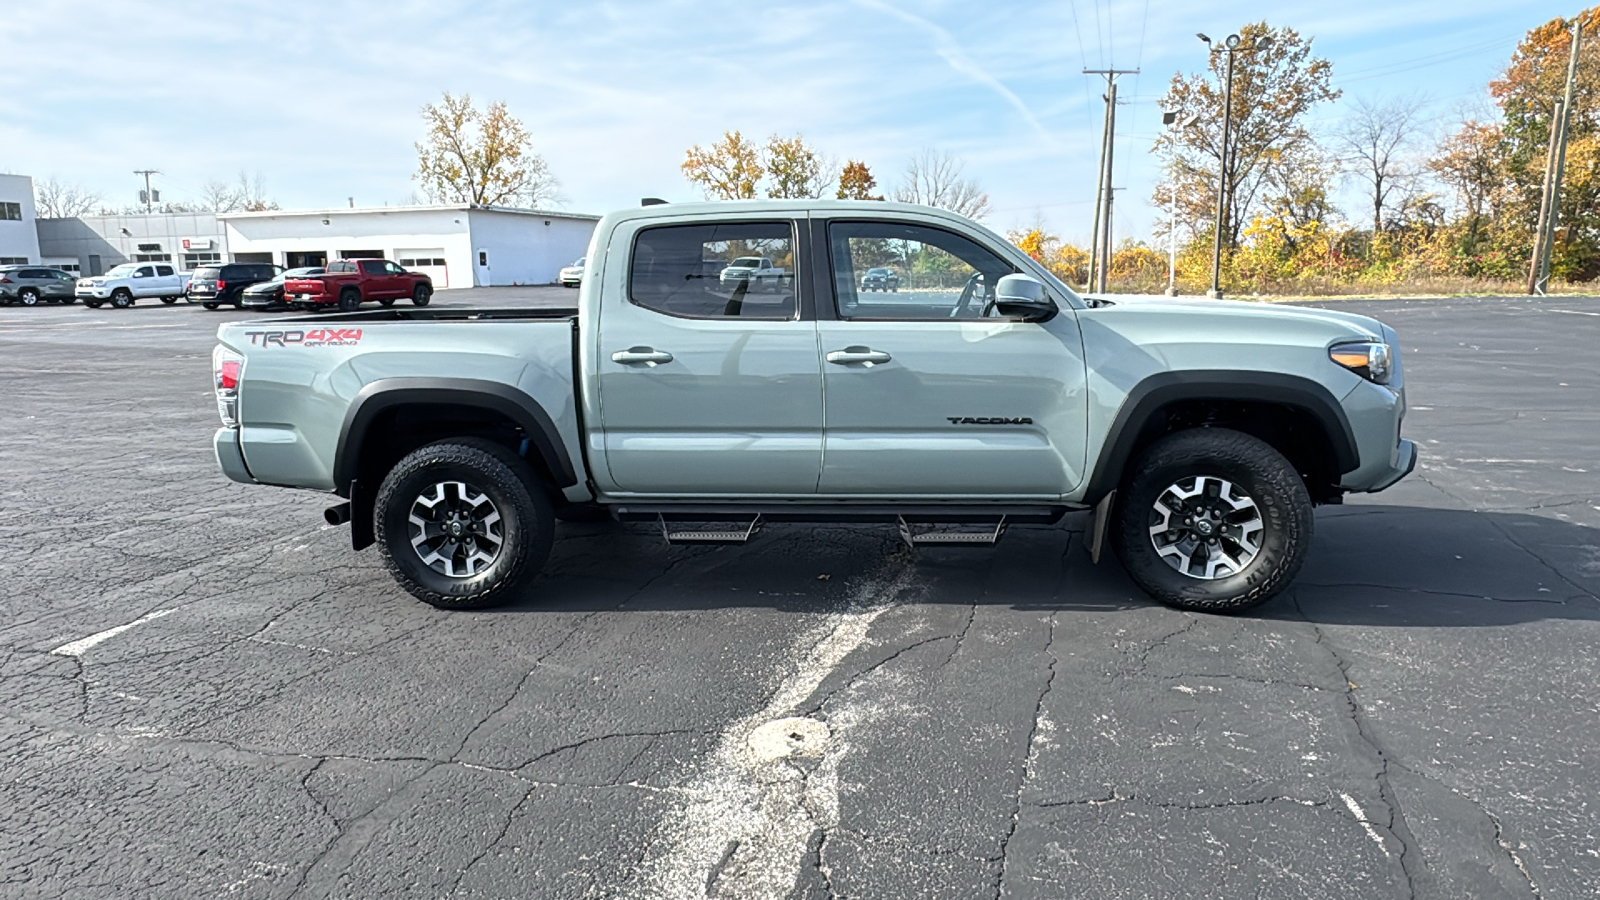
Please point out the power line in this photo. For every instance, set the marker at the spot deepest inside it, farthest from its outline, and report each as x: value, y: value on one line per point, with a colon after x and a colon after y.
x: 1423, y: 62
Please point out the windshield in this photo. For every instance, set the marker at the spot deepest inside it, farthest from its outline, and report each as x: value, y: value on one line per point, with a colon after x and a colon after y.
x: 122, y: 271
x: 749, y: 262
x: 579, y: 263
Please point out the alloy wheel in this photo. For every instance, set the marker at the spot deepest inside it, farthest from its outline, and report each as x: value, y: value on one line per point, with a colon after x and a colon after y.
x: 456, y: 529
x: 1206, y: 527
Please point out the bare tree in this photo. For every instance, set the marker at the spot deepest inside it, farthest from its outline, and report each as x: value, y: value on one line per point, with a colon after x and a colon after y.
x: 1377, y: 143
x: 933, y: 178
x: 252, y: 193
x: 218, y: 196
x: 55, y: 199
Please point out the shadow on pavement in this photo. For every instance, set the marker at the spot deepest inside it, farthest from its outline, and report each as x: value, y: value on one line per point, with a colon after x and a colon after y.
x: 1370, y: 565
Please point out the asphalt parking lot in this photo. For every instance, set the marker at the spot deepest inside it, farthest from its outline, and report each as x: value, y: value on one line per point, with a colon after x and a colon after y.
x: 204, y: 692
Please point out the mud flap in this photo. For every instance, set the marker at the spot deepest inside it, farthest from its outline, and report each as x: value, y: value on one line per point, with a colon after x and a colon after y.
x: 1098, y: 523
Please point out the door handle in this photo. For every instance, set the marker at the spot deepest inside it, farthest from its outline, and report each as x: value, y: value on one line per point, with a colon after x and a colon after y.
x: 858, y: 355
x: 646, y: 355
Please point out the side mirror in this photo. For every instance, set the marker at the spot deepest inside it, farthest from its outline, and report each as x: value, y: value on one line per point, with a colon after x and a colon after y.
x: 1023, y: 297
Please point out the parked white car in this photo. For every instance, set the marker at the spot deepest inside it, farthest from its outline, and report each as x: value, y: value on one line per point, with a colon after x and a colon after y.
x: 572, y: 275
x: 133, y: 281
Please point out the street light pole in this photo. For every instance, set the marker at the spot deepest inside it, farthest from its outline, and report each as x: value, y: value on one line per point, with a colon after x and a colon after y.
x: 1170, y: 119
x: 1230, y: 47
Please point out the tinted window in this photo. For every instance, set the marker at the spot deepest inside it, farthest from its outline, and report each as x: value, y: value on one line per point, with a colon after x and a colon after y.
x: 207, y: 273
x: 164, y: 270
x: 33, y: 273
x: 682, y: 270
x: 144, y: 272
x: 342, y: 266
x: 376, y: 267
x: 942, y: 274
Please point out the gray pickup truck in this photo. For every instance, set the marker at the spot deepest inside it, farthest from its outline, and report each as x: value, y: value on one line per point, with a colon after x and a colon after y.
x: 983, y: 393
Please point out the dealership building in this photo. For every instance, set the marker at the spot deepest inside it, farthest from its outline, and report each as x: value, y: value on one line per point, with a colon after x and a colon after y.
x: 19, y: 239
x: 457, y: 245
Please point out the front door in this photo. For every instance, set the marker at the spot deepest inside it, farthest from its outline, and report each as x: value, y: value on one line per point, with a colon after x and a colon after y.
x: 929, y: 393
x: 707, y: 387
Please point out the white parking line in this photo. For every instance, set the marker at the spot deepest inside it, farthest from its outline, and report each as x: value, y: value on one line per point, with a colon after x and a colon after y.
x: 1361, y: 816
x: 745, y: 830
x: 77, y: 647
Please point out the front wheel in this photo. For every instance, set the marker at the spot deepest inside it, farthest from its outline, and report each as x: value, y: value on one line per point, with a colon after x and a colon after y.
x: 121, y: 299
x: 1212, y: 520
x: 463, y: 523
x: 93, y: 304
x: 421, y: 294
x: 209, y: 305
x: 169, y: 300
x: 349, y: 300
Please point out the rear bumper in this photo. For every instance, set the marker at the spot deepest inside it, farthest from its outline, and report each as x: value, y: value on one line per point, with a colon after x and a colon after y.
x: 226, y: 445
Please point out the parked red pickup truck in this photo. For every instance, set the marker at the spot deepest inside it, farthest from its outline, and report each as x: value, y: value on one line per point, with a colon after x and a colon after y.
x: 350, y: 282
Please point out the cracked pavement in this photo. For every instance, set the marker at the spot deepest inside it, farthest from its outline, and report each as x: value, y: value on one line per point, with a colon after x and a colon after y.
x: 816, y: 714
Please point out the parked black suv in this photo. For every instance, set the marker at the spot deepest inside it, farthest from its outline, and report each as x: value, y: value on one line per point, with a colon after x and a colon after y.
x: 212, y: 286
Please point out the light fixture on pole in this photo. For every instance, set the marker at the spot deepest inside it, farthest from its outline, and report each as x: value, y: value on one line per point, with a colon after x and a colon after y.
x: 1169, y: 118
x: 1230, y: 46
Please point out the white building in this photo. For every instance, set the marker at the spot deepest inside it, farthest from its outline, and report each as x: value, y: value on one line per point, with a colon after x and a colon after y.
x: 19, y: 238
x: 457, y: 245
x: 93, y: 244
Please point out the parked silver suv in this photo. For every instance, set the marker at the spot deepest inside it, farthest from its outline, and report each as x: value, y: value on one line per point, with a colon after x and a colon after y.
x: 30, y: 284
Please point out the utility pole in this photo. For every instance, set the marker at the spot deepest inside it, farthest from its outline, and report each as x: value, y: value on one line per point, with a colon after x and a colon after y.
x: 148, y: 197
x: 1550, y: 204
x: 1100, y: 252
x: 1229, y: 46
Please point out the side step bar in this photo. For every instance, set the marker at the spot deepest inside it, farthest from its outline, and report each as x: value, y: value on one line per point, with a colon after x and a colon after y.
x: 708, y: 537
x: 914, y: 539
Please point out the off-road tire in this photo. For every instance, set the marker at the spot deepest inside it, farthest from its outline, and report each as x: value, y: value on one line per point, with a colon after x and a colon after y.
x: 28, y: 297
x: 121, y: 299
x: 515, y: 492
x: 349, y: 300
x: 421, y: 294
x: 1281, y: 501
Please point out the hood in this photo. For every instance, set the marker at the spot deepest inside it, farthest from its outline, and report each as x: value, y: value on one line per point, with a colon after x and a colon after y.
x: 1247, y: 310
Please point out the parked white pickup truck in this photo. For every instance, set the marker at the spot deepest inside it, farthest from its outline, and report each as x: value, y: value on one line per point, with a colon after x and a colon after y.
x: 755, y: 272
x: 133, y: 281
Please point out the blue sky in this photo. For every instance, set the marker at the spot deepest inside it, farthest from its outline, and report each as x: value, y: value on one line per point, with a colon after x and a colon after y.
x: 322, y: 98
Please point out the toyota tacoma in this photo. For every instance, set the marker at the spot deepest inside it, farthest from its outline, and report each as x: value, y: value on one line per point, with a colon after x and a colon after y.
x: 1201, y: 434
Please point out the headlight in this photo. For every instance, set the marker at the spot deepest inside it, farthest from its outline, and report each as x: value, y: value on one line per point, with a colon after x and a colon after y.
x: 1369, y: 359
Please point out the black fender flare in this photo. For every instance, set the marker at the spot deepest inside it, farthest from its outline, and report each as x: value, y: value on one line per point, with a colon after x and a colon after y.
x: 1161, y: 389
x: 388, y: 393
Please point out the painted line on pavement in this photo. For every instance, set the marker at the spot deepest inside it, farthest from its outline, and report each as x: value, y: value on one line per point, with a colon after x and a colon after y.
x: 79, y: 646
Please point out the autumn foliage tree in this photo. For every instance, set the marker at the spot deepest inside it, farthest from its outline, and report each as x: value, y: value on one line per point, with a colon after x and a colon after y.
x: 1274, y: 89
x: 856, y: 182
x: 482, y: 157
x: 729, y: 169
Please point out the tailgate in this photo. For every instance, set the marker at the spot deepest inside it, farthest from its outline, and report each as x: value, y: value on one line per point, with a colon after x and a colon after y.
x: 302, y: 379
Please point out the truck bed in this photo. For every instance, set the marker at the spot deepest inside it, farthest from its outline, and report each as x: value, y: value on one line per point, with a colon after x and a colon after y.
x: 430, y: 314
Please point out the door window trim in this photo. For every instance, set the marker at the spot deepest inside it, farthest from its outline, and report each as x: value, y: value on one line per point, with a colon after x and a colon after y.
x: 824, y: 273
x: 798, y: 240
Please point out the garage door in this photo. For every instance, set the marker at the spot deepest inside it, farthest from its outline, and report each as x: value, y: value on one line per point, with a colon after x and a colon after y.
x: 428, y: 262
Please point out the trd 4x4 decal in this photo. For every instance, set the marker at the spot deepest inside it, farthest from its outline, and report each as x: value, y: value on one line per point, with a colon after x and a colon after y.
x: 316, y: 337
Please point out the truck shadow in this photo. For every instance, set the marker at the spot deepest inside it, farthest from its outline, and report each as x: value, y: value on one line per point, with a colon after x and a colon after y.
x: 1370, y: 565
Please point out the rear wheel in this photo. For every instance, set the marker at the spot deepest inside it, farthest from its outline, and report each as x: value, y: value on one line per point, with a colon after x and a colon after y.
x: 121, y: 299
x: 28, y: 297
x: 68, y: 301
x: 92, y: 304
x: 421, y: 294
x: 1212, y: 520
x: 209, y: 305
x: 463, y: 524
x: 349, y: 300
x: 386, y: 302
x: 169, y: 300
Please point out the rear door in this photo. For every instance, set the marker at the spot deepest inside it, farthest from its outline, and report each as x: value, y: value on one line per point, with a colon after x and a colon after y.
x: 928, y: 392
x: 168, y: 282
x: 705, y: 389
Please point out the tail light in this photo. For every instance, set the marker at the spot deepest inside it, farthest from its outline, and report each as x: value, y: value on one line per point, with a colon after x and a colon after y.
x: 225, y: 368
x: 4, y: 280
x: 221, y: 284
